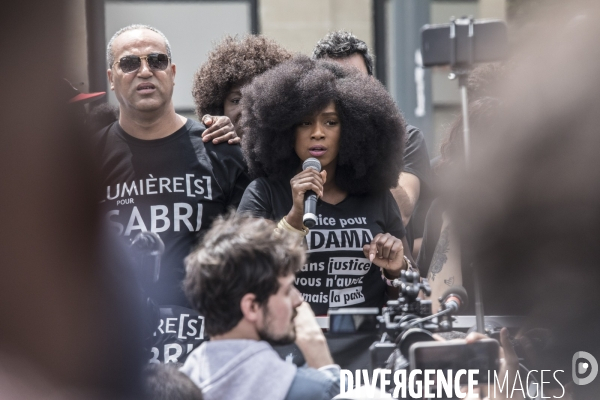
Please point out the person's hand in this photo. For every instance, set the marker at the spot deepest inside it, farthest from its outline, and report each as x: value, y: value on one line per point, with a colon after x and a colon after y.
x: 219, y: 129
x: 306, y: 180
x: 534, y: 343
x: 310, y: 338
x: 387, y: 252
x: 509, y: 364
x: 307, y: 328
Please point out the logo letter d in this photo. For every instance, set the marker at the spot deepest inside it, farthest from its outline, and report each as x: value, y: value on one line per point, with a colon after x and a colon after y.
x: 592, y: 363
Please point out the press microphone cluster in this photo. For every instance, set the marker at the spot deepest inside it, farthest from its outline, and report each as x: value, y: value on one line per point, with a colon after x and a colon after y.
x: 310, y: 198
x: 451, y: 301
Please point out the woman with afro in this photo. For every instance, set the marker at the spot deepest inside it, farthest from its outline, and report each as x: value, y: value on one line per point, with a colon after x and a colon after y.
x: 312, y: 108
x: 217, y: 85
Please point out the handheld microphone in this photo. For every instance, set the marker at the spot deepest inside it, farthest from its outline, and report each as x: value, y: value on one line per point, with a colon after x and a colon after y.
x: 149, y: 248
x: 310, y: 198
x: 455, y: 298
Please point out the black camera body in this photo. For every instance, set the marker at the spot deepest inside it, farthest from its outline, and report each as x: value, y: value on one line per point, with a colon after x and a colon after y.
x: 409, y: 320
x: 464, y: 42
x: 400, y: 314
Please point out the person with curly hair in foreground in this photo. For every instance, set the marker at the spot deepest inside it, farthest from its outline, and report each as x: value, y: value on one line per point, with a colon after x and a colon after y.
x: 217, y: 84
x: 311, y: 108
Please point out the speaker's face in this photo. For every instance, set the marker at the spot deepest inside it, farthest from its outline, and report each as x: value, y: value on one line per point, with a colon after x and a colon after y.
x: 318, y: 136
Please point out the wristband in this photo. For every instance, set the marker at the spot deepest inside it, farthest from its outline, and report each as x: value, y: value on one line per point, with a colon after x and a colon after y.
x: 409, y: 265
x: 390, y: 282
x: 285, y: 226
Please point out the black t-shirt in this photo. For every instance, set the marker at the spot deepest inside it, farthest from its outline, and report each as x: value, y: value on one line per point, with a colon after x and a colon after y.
x: 431, y: 236
x: 173, y: 186
x: 180, y: 330
x: 416, y: 162
x: 336, y: 274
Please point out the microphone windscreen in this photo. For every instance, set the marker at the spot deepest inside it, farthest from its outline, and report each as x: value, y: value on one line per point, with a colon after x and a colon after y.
x: 313, y: 163
x: 457, y: 291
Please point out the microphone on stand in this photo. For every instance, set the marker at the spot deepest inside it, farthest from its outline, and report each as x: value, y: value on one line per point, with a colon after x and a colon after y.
x: 310, y: 198
x: 455, y: 298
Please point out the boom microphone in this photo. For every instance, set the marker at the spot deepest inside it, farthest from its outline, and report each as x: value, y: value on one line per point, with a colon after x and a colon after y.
x: 310, y: 198
x: 455, y: 298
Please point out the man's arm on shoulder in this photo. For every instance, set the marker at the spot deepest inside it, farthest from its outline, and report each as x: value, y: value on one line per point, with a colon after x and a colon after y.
x: 407, y: 194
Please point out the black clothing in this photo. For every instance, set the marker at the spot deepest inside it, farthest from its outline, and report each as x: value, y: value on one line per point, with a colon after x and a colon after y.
x: 416, y: 162
x: 173, y: 186
x: 431, y: 236
x: 179, y: 331
x: 337, y: 274
x: 416, y: 157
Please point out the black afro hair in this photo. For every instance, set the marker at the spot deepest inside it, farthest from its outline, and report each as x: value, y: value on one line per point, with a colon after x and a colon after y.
x: 372, y: 128
x: 487, y: 80
x: 233, y: 61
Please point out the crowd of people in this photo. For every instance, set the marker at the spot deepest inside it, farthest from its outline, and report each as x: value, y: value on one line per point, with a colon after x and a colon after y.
x: 164, y: 173
x: 228, y: 309
x: 283, y: 108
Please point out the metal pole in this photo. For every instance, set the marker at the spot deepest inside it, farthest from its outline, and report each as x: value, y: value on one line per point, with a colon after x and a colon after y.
x: 96, y: 45
x: 466, y: 130
x: 479, y: 317
x: 408, y: 82
x: 380, y: 36
x: 462, y: 78
x: 462, y: 72
x: 462, y: 81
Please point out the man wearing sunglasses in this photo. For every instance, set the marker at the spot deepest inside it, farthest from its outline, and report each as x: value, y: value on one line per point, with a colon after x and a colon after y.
x: 159, y: 175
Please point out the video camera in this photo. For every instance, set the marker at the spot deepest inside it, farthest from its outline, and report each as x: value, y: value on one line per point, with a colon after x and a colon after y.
x: 409, y: 320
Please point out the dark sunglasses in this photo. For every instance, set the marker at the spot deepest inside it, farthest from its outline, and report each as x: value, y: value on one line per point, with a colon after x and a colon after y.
x: 156, y: 61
